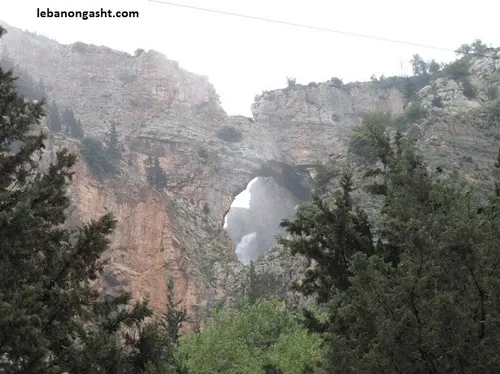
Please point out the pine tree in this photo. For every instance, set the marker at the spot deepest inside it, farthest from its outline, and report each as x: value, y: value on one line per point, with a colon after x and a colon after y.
x: 96, y: 157
x: 72, y: 126
x: 155, y: 175
x: 149, y: 169
x: 160, y: 175
x: 335, y: 233
x: 253, y: 285
x: 158, y: 340
x: 54, y: 117
x: 112, y: 144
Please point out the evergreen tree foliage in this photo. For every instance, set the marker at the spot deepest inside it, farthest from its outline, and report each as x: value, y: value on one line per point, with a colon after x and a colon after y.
x: 96, y: 157
x: 328, y: 234
x: 54, y: 117
x: 324, y: 173
x: 72, y: 126
x: 422, y: 299
x: 478, y: 46
x: 370, y: 139
x: 434, y: 67
x: 420, y: 67
x: 155, y: 175
x: 158, y: 341
x: 112, y: 143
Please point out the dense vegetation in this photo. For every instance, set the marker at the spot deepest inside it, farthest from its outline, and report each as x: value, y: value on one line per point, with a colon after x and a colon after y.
x: 417, y: 292
x: 244, y: 340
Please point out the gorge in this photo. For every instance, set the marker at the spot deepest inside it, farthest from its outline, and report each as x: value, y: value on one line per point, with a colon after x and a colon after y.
x: 190, y: 230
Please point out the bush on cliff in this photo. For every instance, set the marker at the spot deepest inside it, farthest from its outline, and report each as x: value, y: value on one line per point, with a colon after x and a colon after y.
x: 229, y: 134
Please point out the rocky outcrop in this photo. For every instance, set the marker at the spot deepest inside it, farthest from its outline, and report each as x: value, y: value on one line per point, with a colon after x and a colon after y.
x: 311, y: 122
x: 162, y: 110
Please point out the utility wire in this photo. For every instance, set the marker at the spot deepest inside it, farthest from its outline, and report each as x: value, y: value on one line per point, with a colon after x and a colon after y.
x: 318, y: 28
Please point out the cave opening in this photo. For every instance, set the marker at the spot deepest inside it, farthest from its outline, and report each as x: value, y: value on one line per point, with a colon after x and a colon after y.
x: 253, y: 220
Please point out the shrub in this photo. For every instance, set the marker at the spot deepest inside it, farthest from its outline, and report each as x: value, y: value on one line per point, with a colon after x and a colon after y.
x: 203, y: 153
x: 437, y: 102
x: 457, y: 70
x: 415, y: 111
x: 434, y: 67
x: 478, y: 46
x: 96, y: 157
x: 79, y: 47
x: 491, y: 92
x: 290, y: 82
x: 138, y: 52
x: 155, y: 175
x: 468, y: 89
x: 372, y: 131
x: 324, y: 173
x: 337, y: 82
x: 229, y: 134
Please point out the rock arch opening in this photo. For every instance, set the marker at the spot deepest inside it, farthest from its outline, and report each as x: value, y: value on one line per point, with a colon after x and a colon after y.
x: 253, y: 220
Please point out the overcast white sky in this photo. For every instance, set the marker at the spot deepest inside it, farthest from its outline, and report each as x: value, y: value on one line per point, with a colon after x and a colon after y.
x: 243, y: 57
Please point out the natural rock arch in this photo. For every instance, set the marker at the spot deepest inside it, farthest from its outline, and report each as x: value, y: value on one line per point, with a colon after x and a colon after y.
x: 272, y: 194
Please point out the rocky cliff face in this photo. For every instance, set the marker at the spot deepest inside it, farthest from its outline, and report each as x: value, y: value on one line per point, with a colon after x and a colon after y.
x: 165, y: 111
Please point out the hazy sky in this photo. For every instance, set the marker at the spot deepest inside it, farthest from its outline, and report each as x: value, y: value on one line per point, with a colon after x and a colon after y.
x: 244, y: 57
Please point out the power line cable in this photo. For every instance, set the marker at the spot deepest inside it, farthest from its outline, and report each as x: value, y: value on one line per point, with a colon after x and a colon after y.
x: 318, y: 28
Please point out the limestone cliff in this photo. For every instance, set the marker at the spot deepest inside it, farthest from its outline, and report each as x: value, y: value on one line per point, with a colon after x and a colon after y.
x: 165, y: 111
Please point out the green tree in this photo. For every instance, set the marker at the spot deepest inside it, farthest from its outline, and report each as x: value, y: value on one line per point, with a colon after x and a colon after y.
x: 420, y: 67
x: 478, y: 46
x: 253, y: 292
x: 329, y: 234
x: 324, y: 173
x: 54, y: 117
x: 290, y: 82
x: 434, y: 67
x: 72, y: 126
x: 242, y: 340
x: 96, y: 157
x: 155, y: 175
x: 112, y: 143
x: 464, y: 49
x: 468, y: 89
x: 457, y: 70
x: 155, y: 349
x: 370, y: 140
